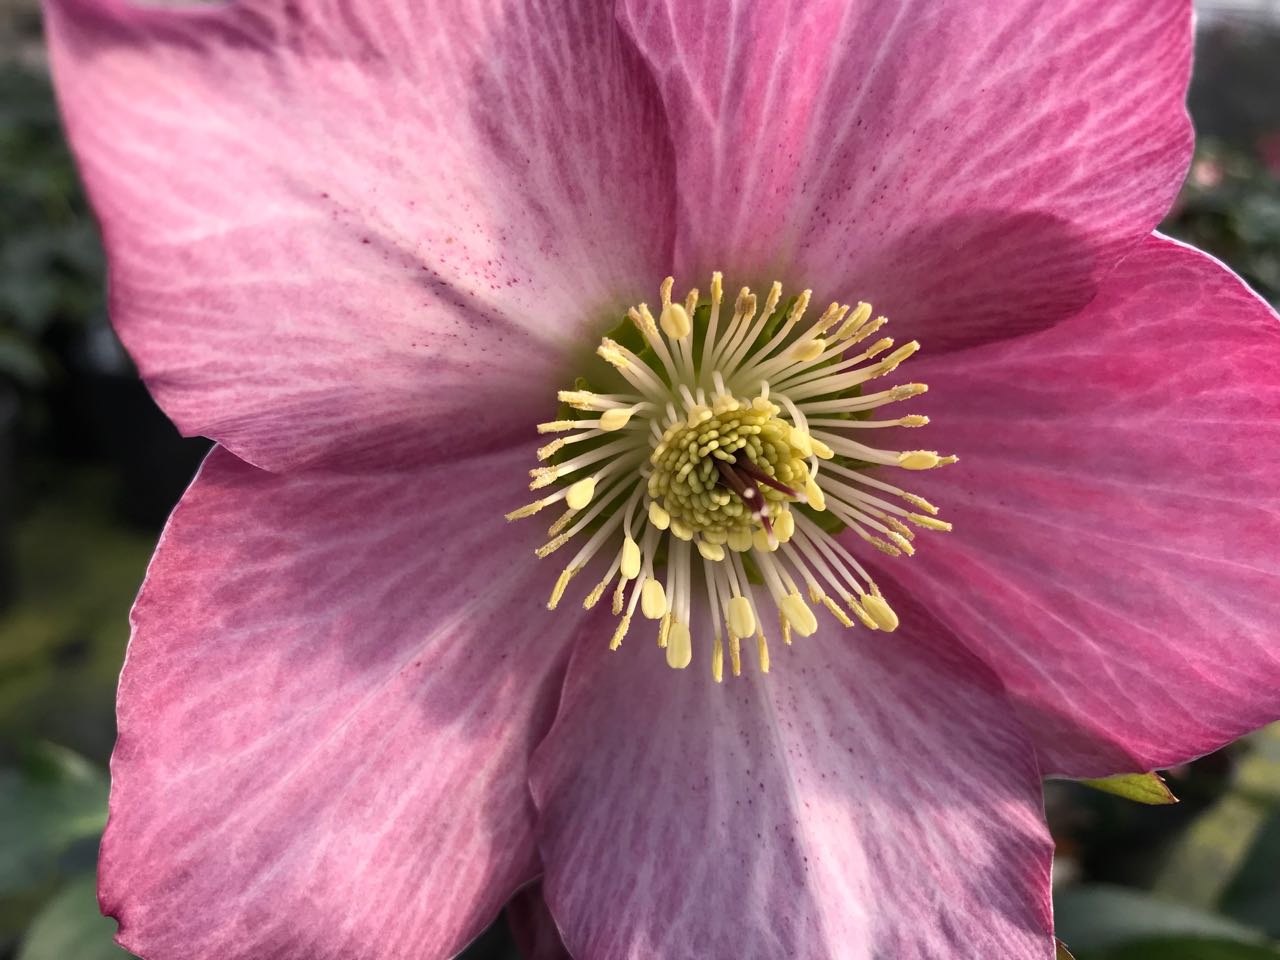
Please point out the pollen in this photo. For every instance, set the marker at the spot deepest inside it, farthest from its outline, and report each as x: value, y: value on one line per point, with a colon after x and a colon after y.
x: 716, y: 466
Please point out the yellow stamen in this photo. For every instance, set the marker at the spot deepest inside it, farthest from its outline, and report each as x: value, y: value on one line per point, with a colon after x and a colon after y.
x: 742, y: 618
x: 567, y: 574
x: 580, y: 493
x: 798, y: 614
x: 679, y: 646
x: 878, y: 609
x: 616, y: 419
x: 931, y: 523
x: 621, y: 632
x: 653, y: 600
x: 675, y: 321
x: 630, y: 566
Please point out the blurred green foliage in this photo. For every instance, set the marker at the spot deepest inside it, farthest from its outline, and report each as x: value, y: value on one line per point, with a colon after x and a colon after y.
x: 51, y: 263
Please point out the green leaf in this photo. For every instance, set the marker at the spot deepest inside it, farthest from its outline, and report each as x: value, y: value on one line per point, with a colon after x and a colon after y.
x: 54, y: 799
x: 1148, y: 788
x: 1098, y: 916
x: 70, y: 926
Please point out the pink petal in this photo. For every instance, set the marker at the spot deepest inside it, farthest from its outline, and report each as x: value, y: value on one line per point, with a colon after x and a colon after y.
x: 973, y: 167
x: 333, y: 685
x: 341, y: 230
x: 1117, y: 516
x: 872, y: 797
x: 533, y: 927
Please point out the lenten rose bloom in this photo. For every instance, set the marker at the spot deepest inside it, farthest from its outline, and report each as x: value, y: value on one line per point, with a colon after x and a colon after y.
x: 368, y: 246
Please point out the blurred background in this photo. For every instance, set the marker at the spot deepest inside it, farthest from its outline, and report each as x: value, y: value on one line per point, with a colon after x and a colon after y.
x: 89, y: 469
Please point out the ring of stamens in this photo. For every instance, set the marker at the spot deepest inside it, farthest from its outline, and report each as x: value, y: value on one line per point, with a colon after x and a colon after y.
x: 712, y: 465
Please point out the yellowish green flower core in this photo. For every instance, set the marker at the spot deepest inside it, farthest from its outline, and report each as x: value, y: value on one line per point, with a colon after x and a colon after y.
x: 730, y: 465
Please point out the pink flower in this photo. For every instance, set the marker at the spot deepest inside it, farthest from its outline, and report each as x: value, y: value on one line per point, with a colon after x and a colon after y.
x: 363, y: 245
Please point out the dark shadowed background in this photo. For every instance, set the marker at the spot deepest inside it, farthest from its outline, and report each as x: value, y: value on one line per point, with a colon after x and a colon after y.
x: 89, y: 469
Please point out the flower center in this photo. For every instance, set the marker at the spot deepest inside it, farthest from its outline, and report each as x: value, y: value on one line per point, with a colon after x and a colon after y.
x: 725, y: 464
x: 726, y: 471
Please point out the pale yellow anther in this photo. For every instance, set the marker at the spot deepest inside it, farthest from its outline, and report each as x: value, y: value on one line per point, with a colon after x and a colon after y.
x: 579, y: 399
x: 836, y: 612
x: 807, y: 350
x: 760, y: 540
x: 879, y: 610
x: 817, y: 499
x: 762, y: 649
x: 798, y: 614
x: 594, y: 596
x: 920, y: 502
x: 932, y: 523
x: 658, y: 516
x: 739, y: 540
x: 741, y: 616
x: 820, y: 449
x: 906, y: 390
x: 653, y: 600
x: 709, y: 551
x: 802, y: 442
x: 529, y: 509
x: 681, y: 529
x: 675, y: 321
x: 699, y: 414
x: 558, y: 426
x: 784, y: 526
x: 679, y: 646
x: 798, y: 310
x: 580, y: 493
x: 551, y: 449
x: 891, y: 362
x: 561, y: 522
x: 543, y: 477
x: 621, y: 632
x: 562, y: 582
x: 630, y: 565
x: 619, y: 594
x: 919, y: 459
x: 877, y: 348
x: 735, y: 655
x: 615, y: 419
x: 914, y: 420
x: 664, y: 630
x: 882, y: 546
x: 895, y: 524
x: 861, y: 613
x: 551, y: 546
x: 717, y: 659
x: 643, y: 320
x: 611, y: 352
x: 861, y: 314
x: 867, y: 330
x: 902, y: 543
x: 785, y: 626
